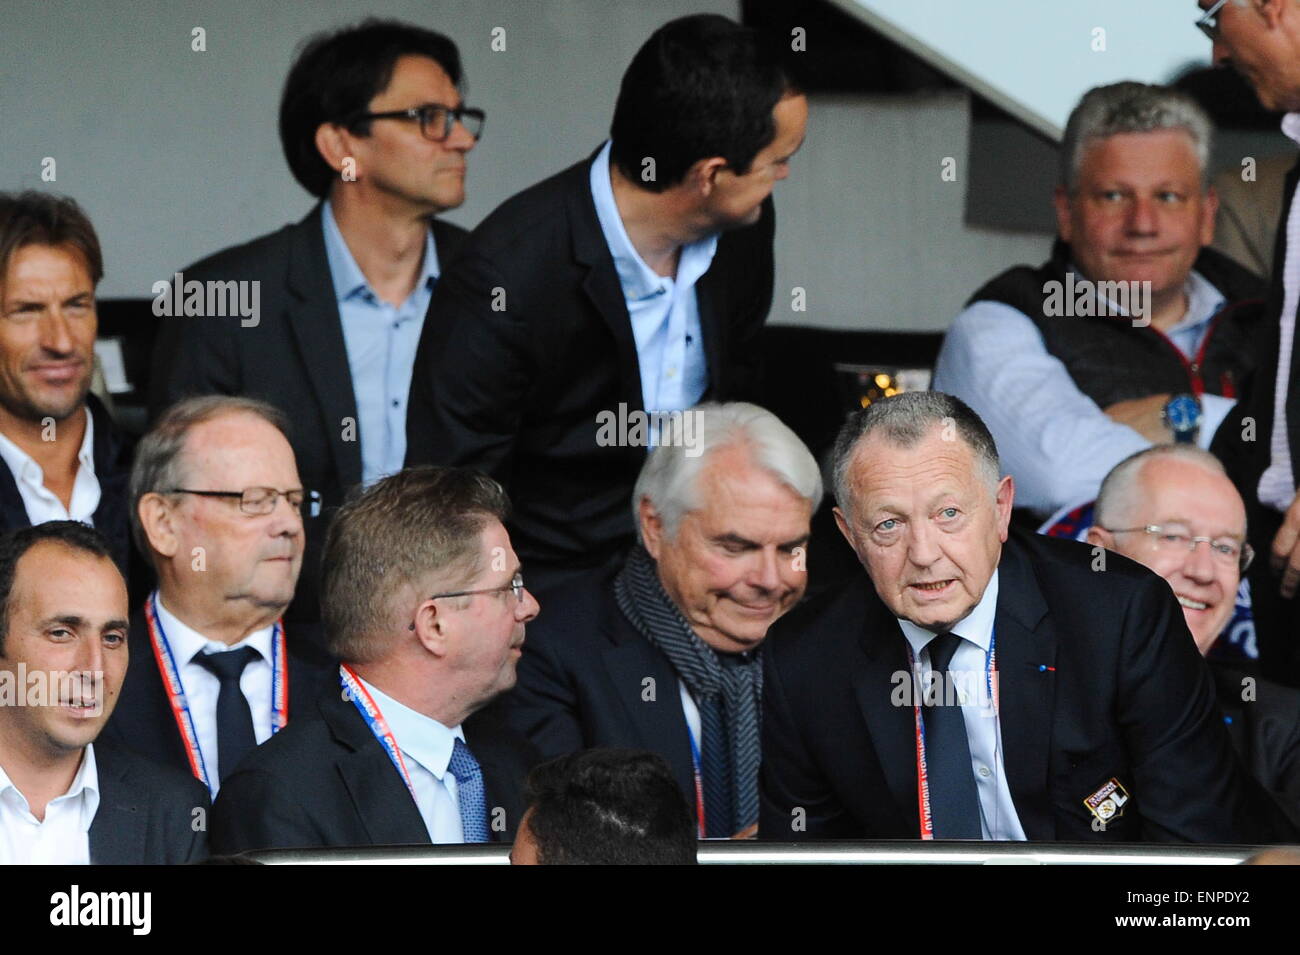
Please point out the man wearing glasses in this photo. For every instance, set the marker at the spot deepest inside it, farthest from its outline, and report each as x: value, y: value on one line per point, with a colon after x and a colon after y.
x: 1173, y: 509
x: 635, y: 282
x: 217, y: 507
x: 424, y: 604
x: 373, y: 126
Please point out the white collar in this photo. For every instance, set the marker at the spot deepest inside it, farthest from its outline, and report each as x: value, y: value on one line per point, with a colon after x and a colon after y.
x: 24, y: 467
x: 85, y: 785
x: 187, y: 643
x: 976, y: 626
x: 1291, y: 126
x: 420, y: 737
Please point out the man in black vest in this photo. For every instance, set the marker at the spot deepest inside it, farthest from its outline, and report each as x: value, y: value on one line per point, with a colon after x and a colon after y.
x: 1261, y: 446
x: 63, y: 456
x: 1132, y: 333
x: 373, y: 126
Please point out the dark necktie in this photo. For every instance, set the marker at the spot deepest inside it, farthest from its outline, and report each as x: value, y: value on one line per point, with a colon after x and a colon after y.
x: 235, y: 735
x: 954, y: 801
x: 469, y: 793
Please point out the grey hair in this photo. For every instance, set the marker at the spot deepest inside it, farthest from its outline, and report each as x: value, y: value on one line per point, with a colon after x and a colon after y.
x: 905, y: 420
x: 1130, y: 107
x: 159, y: 463
x: 671, y: 472
x: 1119, y: 489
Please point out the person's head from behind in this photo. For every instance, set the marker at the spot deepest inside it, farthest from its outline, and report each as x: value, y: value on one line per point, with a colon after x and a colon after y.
x: 920, y: 502
x: 1261, y: 40
x: 706, y: 106
x: 63, y: 634
x: 50, y: 263
x: 1134, y: 199
x: 333, y: 139
x: 723, y: 505
x: 1172, y: 508
x: 421, y: 586
x: 605, y: 807
x: 217, y: 505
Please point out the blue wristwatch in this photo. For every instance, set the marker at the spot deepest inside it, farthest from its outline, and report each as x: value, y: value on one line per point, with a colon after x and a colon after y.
x: 1183, y: 415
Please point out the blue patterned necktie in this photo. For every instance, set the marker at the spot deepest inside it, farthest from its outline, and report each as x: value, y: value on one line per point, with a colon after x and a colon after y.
x: 469, y: 792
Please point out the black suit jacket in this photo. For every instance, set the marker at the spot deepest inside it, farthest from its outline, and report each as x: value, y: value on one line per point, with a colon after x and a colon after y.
x: 112, y: 456
x: 147, y: 813
x: 294, y: 358
x: 530, y: 340
x: 1098, y: 679
x: 326, y: 781
x: 143, y: 720
x: 582, y: 683
x: 1263, y: 721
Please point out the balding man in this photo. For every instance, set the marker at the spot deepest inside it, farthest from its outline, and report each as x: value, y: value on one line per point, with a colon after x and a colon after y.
x: 666, y: 656
x: 986, y: 687
x: 217, y: 506
x: 1159, y: 507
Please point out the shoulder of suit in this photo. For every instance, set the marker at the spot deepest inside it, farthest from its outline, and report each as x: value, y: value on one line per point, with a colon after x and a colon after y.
x: 530, y: 217
x: 576, y: 616
x: 142, y: 775
x: 264, y: 253
x: 825, y: 619
x: 1078, y: 565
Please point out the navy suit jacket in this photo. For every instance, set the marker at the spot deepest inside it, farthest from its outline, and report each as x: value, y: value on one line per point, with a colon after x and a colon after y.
x: 148, y: 814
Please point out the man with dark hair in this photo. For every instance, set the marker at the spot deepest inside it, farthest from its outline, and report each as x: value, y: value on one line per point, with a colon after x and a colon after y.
x: 986, y: 687
x: 425, y: 607
x: 636, y: 281
x: 372, y: 125
x: 217, y: 508
x: 64, y: 457
x: 65, y: 797
x: 605, y: 807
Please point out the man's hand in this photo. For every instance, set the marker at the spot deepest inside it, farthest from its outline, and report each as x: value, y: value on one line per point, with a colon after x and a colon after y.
x: 1144, y: 415
x: 1286, y: 550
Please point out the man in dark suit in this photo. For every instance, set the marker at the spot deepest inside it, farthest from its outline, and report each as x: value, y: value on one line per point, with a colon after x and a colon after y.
x: 634, y: 282
x: 1158, y: 507
x: 66, y: 797
x: 986, y: 687
x: 216, y: 673
x: 666, y: 656
x: 425, y: 606
x: 1260, y: 443
x: 372, y: 125
x: 63, y: 456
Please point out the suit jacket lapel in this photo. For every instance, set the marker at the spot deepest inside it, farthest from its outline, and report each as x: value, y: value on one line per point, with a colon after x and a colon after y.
x: 1026, y: 648
x: 601, y: 284
x: 661, y: 725
x: 117, y: 833
x: 313, y: 314
x: 892, y: 728
x: 384, y: 805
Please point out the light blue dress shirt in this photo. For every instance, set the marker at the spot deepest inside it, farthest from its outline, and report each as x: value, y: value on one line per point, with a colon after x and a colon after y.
x: 426, y: 747
x: 1052, y: 438
x: 381, y: 340
x: 998, y: 818
x: 665, y: 315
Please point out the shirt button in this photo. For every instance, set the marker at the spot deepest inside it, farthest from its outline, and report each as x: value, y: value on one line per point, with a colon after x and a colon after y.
x: 984, y: 771
x: 396, y: 325
x: 396, y: 403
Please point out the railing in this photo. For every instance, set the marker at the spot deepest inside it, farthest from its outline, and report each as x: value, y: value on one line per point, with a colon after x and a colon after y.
x: 821, y: 853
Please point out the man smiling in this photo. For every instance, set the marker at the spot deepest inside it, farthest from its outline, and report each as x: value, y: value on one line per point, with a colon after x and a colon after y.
x: 1094, y: 717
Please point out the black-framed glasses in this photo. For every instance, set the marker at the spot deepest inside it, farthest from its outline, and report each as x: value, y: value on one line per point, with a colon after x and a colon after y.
x: 261, y: 500
x: 435, y: 119
x: 1174, y: 537
x: 1209, y: 21
x: 516, y: 586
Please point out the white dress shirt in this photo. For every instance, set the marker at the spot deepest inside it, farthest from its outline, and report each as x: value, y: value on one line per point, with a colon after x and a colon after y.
x: 998, y: 818
x: 426, y: 747
x: 1053, y: 438
x: 201, y: 685
x: 1277, y: 484
x: 63, y: 836
x: 39, y: 501
x: 664, y: 312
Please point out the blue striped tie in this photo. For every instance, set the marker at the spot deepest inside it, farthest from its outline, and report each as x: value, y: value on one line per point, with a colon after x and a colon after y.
x: 469, y: 792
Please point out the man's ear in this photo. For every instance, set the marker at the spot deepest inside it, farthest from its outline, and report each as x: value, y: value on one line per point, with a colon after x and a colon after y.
x: 430, y: 628
x: 333, y: 143
x: 1006, y: 498
x: 1272, y: 11
x: 1100, y: 537
x: 158, y: 520
x: 842, y: 522
x: 652, y: 527
x: 703, y: 174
